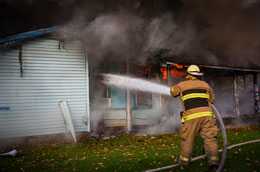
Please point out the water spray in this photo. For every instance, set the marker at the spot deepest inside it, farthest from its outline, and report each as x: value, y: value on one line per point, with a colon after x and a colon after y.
x: 126, y: 82
x: 131, y: 83
x: 11, y: 153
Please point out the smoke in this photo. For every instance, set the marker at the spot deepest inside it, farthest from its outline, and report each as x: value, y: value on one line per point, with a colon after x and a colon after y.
x: 118, y: 35
x: 164, y: 118
x: 168, y: 118
x: 214, y: 32
x: 125, y: 36
x: 98, y: 110
x: 231, y: 29
x: 165, y: 33
x: 115, y: 36
x: 249, y: 3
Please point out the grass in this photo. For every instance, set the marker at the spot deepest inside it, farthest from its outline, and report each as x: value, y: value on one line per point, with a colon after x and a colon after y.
x: 129, y: 153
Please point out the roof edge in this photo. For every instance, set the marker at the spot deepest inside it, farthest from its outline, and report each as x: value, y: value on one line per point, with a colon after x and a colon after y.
x: 20, y: 37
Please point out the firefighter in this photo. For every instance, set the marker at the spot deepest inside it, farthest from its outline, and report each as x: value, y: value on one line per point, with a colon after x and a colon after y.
x: 197, y: 117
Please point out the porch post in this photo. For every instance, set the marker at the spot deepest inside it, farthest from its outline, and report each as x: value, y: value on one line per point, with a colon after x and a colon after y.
x: 236, y: 96
x: 128, y: 103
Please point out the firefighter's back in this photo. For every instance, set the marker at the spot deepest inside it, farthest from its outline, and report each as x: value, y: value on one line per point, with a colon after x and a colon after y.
x: 196, y: 96
x: 193, y: 84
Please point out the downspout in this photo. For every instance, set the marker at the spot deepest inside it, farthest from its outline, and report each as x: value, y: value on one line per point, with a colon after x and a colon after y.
x: 20, y: 59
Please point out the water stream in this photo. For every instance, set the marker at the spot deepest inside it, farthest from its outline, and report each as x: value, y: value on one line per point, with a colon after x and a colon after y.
x: 131, y: 83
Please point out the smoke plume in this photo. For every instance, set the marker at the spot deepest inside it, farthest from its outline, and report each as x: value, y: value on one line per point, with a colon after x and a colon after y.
x: 124, y: 35
x: 222, y: 32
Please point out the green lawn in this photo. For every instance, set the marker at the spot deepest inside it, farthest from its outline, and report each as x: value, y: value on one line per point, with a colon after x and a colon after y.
x: 130, y: 153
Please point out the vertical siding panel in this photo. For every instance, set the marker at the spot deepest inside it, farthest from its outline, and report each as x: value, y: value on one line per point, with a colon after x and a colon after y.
x: 246, y: 94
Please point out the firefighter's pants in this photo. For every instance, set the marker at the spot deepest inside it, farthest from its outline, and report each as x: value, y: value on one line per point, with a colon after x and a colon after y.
x: 208, y: 130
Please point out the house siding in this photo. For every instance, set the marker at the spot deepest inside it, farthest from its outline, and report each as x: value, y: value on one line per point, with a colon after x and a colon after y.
x: 51, y: 71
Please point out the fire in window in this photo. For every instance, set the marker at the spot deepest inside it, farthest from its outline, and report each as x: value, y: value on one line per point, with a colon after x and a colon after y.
x: 164, y: 73
x: 177, y: 71
x: 172, y: 70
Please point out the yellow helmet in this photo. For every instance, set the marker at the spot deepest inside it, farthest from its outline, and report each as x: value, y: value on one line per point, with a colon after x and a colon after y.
x: 194, y: 70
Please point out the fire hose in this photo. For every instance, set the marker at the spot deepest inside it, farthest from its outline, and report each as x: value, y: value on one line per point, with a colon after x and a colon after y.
x: 224, y: 151
x: 224, y: 135
x: 204, y: 156
x: 137, y: 84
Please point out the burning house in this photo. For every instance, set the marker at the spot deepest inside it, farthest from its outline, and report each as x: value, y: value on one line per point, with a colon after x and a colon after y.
x: 236, y: 93
x: 41, y: 68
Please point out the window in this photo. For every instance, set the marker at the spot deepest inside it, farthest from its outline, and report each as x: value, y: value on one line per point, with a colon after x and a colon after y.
x: 142, y: 100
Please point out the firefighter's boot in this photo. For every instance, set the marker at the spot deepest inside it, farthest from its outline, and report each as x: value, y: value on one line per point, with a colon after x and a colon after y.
x: 213, y: 167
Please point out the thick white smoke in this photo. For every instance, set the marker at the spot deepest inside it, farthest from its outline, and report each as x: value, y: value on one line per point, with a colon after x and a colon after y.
x: 123, y: 35
x: 168, y: 118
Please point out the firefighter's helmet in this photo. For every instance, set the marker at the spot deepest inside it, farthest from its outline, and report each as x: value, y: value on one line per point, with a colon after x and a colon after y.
x: 194, y: 70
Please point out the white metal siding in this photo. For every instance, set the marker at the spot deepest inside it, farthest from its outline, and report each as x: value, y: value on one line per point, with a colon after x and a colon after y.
x: 29, y: 104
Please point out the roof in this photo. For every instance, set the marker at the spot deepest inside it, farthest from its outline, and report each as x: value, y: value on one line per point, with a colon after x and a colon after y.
x: 215, y: 67
x: 19, y: 38
x: 207, y: 63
